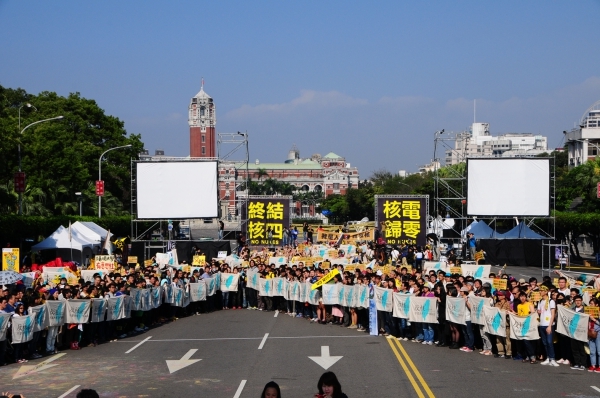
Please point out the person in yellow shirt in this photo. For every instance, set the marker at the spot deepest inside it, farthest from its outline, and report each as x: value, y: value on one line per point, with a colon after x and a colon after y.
x: 525, y: 308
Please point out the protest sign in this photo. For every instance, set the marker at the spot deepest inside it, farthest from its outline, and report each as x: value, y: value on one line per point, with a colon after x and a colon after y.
x: 477, y: 304
x: 28, y: 278
x: 495, y: 321
x: 88, y: 275
x: 211, y: 286
x: 78, y: 311
x: 156, y: 296
x: 455, y: 310
x: 148, y: 263
x: 56, y: 312
x: 401, y: 305
x: 313, y: 295
x: 252, y: 279
x: 132, y: 259
x: 106, y: 262
x: 265, y: 287
x: 500, y: 284
x: 330, y: 275
x: 99, y: 307
x: 361, y: 296
x: 40, y: 313
x: 22, y: 329
x: 383, y: 299
x: 229, y: 282
x: 136, y: 297
x: 572, y: 324
x: 200, y: 260
x: 423, y: 310
x: 524, y: 327
x: 178, y: 297
x: 403, y: 218
x: 115, y: 308
x: 475, y: 270
x: 593, y: 311
x: 330, y: 294
x: 535, y: 297
x: 10, y: 259
x: 456, y: 270
x: 198, y: 291
x: 293, y: 289
x: 4, y: 320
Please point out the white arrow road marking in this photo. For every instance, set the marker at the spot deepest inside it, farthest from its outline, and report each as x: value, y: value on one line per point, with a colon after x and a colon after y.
x: 595, y: 388
x: 176, y: 364
x: 29, y: 369
x: 325, y: 360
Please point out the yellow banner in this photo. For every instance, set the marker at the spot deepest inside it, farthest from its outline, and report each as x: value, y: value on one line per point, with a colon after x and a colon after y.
x: 198, y: 260
x: 349, y: 237
x: 131, y: 259
x: 325, y: 279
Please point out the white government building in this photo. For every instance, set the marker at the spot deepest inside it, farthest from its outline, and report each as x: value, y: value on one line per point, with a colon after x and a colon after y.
x: 478, y: 142
x: 583, y: 141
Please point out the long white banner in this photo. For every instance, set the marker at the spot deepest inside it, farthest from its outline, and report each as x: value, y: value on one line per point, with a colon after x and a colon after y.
x: 495, y: 321
x: 524, y: 327
x: 572, y: 324
x: 455, y: 310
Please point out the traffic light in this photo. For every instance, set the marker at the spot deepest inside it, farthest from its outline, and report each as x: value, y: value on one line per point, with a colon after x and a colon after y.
x: 100, y: 188
x: 19, y: 182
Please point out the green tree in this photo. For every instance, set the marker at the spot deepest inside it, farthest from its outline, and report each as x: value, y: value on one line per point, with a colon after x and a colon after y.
x: 61, y: 157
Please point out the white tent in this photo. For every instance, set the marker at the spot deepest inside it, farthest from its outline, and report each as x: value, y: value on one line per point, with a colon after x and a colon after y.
x: 91, y: 231
x: 59, y: 240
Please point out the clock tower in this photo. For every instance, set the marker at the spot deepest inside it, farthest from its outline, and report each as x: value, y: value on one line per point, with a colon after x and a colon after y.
x: 202, y: 120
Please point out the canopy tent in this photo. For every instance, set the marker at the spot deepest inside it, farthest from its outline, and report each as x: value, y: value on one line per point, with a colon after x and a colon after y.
x: 521, y: 231
x: 481, y: 231
x: 91, y: 231
x: 59, y: 241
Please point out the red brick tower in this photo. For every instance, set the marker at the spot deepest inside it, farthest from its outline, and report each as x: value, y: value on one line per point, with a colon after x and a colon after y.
x: 202, y: 120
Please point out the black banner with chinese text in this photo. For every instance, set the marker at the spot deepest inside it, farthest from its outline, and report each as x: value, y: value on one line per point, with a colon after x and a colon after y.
x: 403, y: 220
x: 267, y: 218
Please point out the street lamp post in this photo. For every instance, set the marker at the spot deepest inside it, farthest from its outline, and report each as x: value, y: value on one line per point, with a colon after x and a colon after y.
x: 19, y: 146
x: 100, y: 174
x: 79, y: 198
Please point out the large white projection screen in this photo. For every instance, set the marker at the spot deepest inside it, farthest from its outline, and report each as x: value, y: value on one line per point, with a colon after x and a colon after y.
x: 508, y: 187
x: 177, y: 190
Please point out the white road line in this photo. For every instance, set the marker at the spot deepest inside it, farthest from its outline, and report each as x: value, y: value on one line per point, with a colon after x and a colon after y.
x: 240, y: 389
x: 320, y: 337
x: 276, y: 313
x: 262, y: 343
x: 138, y: 344
x: 70, y: 391
x: 249, y: 338
x: 595, y: 388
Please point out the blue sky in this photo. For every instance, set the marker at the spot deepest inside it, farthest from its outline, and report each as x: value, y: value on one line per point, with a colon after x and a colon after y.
x: 371, y: 81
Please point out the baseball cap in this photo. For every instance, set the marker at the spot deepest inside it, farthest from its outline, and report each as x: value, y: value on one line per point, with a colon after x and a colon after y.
x: 464, y: 289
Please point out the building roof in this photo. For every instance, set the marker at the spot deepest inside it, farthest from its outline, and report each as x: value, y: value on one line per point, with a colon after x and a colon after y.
x: 332, y: 155
x: 280, y: 166
x: 202, y: 94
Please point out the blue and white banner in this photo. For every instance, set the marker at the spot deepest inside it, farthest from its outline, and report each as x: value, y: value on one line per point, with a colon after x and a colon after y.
x: 304, y: 291
x: 40, y: 313
x: 265, y: 287
x: 477, y: 304
x: 435, y: 266
x: 136, y: 297
x: 361, y: 296
x: 198, y: 291
x: 495, y: 321
x: 99, y: 307
x: 423, y: 310
x: 127, y: 304
x: 373, y: 329
x: 279, y: 287
x: 178, y: 297
x: 146, y: 300
x: 56, y: 312
x: 313, y: 295
x: 4, y: 321
x: 88, y: 275
x: 524, y: 327
x: 293, y: 289
x: 572, y: 324
x: 78, y: 311
x: 402, y: 305
x: 229, y: 282
x: 156, y: 296
x: 455, y: 310
x: 330, y: 293
x: 168, y: 291
x: 22, y: 328
x: 211, y: 286
x: 383, y: 299
x: 28, y: 278
x: 475, y: 270
x: 253, y: 278
x: 115, y: 308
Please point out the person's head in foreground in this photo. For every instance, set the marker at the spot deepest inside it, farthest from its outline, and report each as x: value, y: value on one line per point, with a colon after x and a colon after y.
x: 329, y: 386
x: 271, y: 390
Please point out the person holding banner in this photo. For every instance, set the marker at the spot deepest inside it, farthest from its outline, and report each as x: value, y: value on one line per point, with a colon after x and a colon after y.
x: 594, y: 338
x: 19, y: 347
x: 547, y: 311
x: 578, y: 347
x: 525, y: 308
x: 503, y: 344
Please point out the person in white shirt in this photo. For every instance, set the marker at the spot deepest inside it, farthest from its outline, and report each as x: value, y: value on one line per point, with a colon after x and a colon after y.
x: 547, y: 309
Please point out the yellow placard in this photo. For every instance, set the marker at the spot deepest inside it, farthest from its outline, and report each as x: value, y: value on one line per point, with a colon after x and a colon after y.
x: 535, y: 296
x: 325, y: 279
x: 199, y: 260
x: 148, y: 262
x: 10, y: 259
x: 326, y: 264
x: 593, y: 311
x: 555, y: 282
x: 350, y: 267
x: 245, y: 264
x: 456, y: 270
x: 500, y: 284
x: 387, y: 269
x: 131, y: 259
x: 589, y: 289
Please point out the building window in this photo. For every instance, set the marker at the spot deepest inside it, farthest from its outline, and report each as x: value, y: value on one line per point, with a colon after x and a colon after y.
x: 592, y: 150
x: 202, y: 109
x: 203, y: 138
x: 203, y: 150
x: 336, y: 185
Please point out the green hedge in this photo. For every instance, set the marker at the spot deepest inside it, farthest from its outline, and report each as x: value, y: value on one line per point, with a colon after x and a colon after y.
x: 18, y: 230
